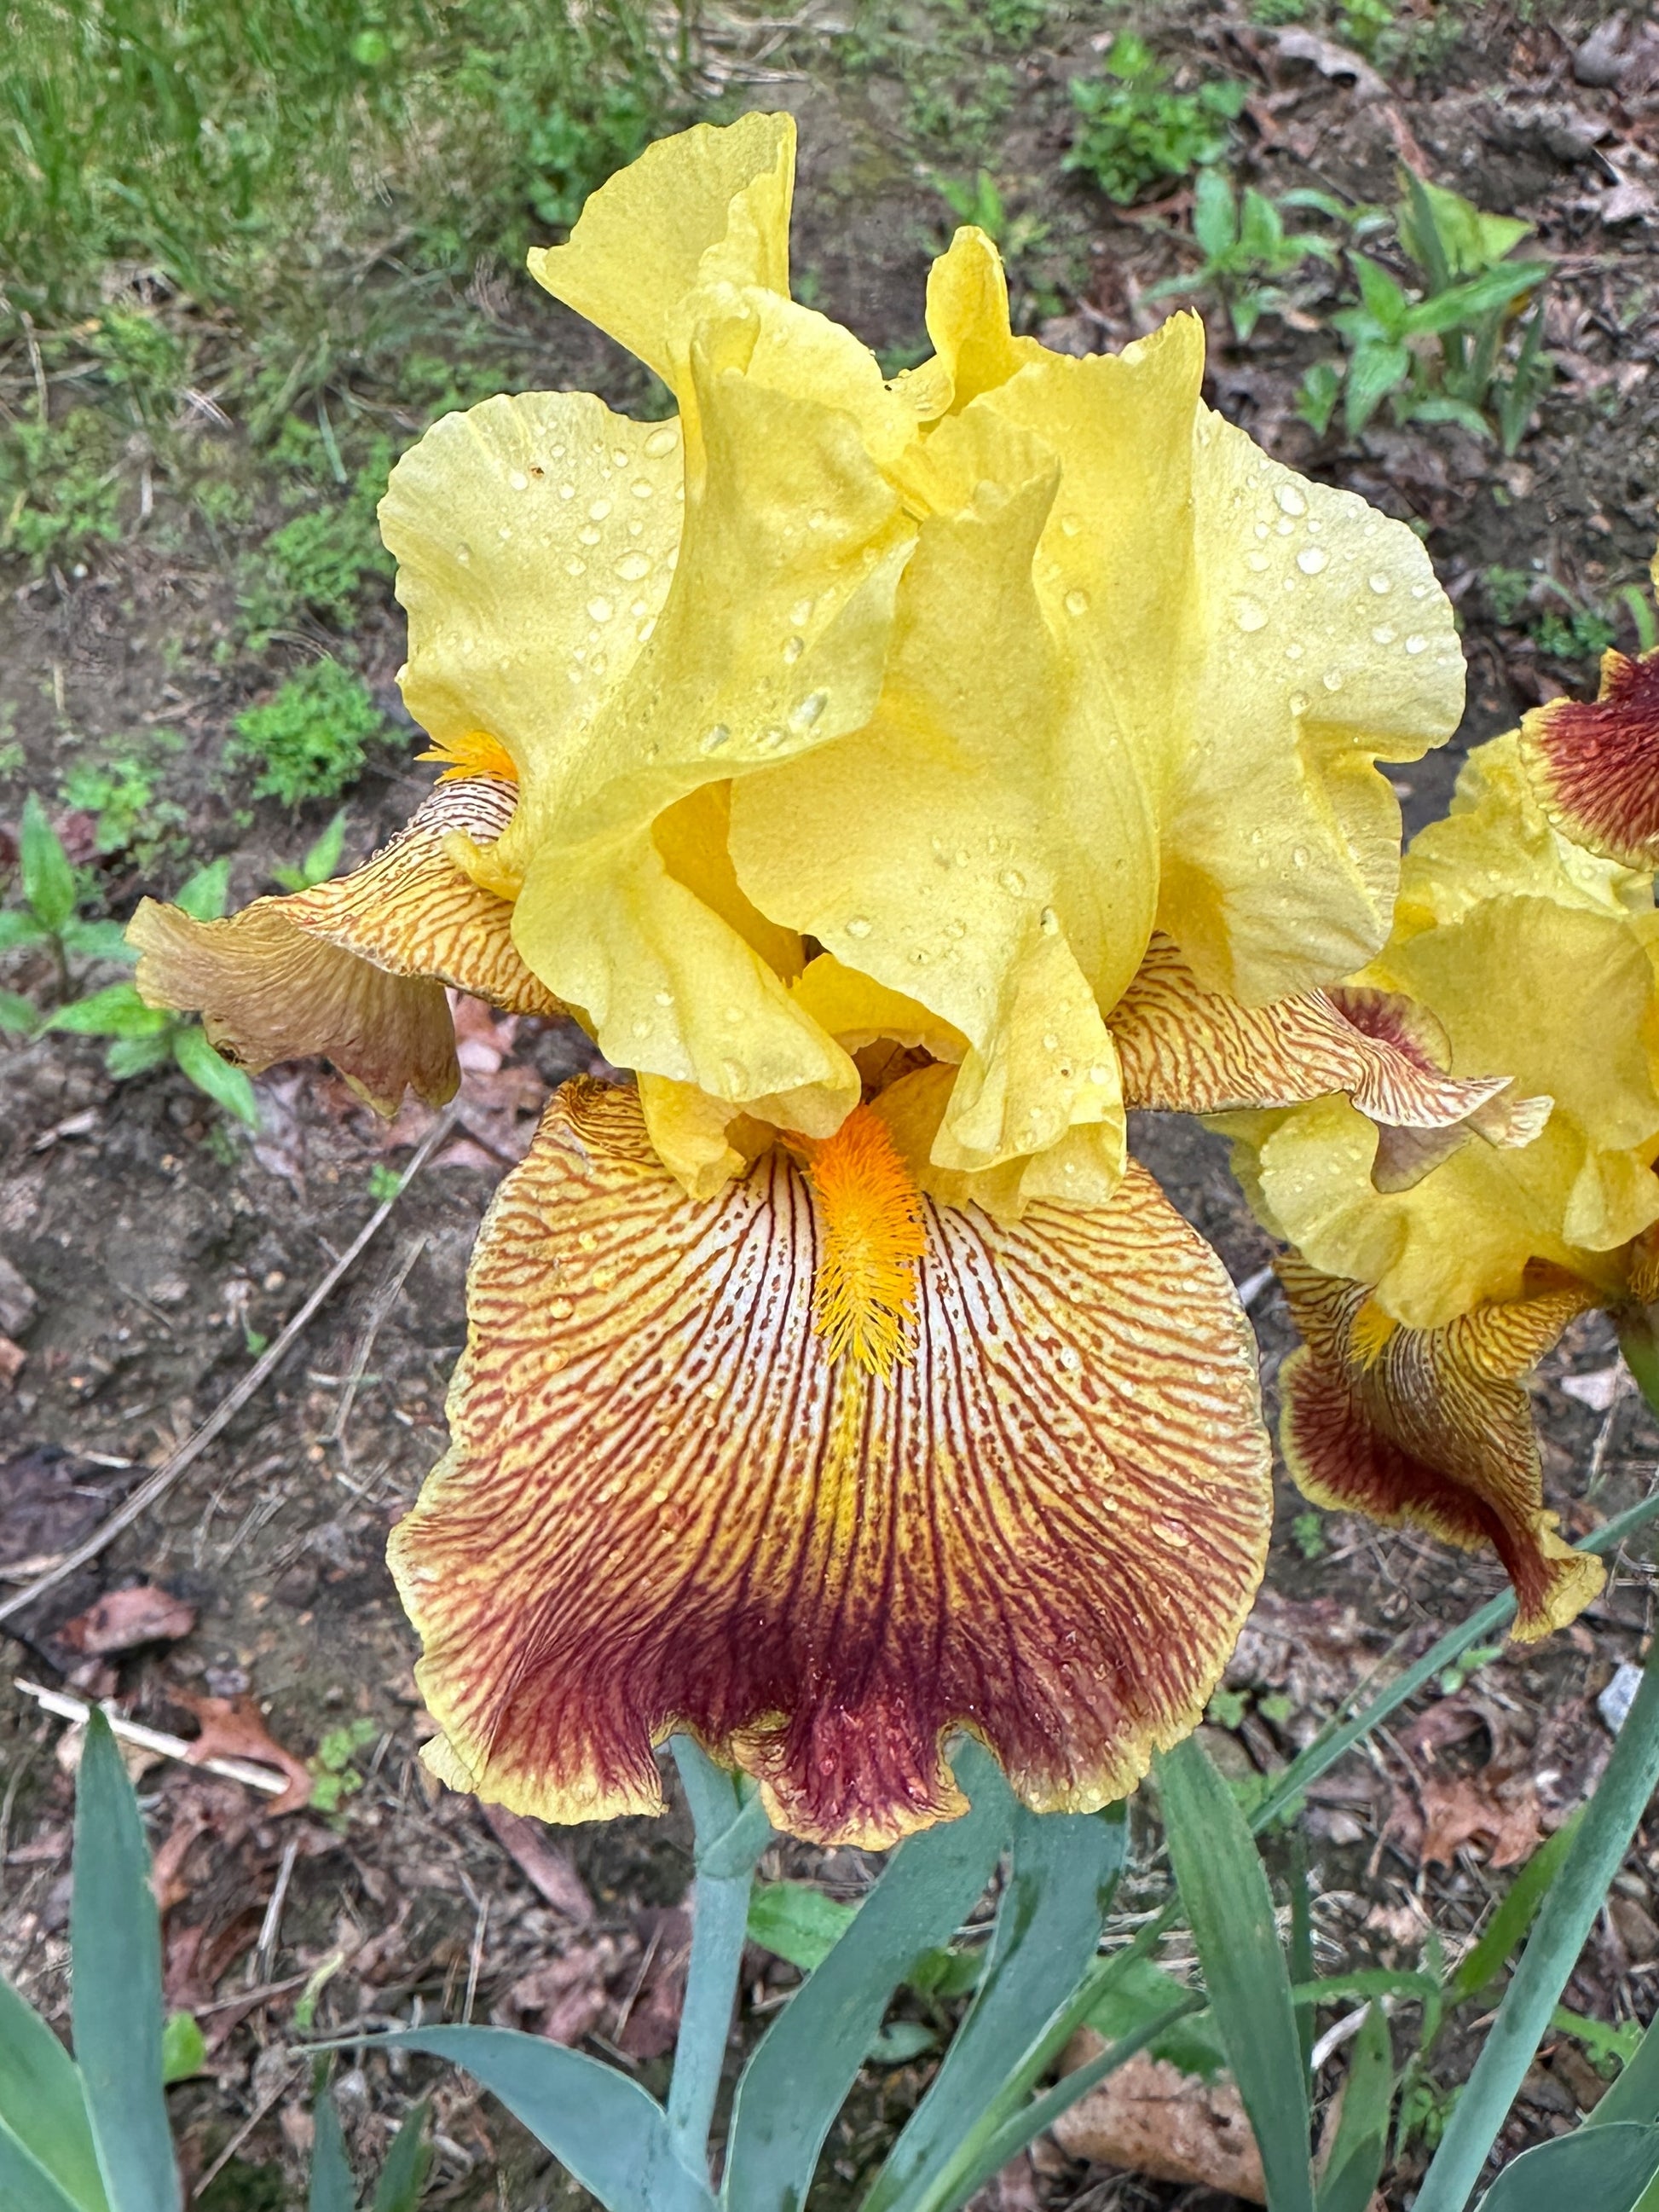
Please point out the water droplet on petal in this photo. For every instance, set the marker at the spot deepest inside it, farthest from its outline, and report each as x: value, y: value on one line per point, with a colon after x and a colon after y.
x: 519, y: 480
x: 641, y: 1027
x: 1048, y: 922
x: 1298, y: 702
x: 1249, y: 614
x: 1077, y: 603
x: 1311, y: 559
x: 1298, y: 856
x: 858, y: 927
x: 599, y: 610
x: 809, y: 710
x: 1415, y: 644
x: 661, y: 444
x: 793, y: 648
x: 633, y: 568
x: 1071, y: 1359
x: 643, y: 488
x: 1293, y: 650
x: 1332, y: 680
x: 588, y: 535
x: 1255, y: 559
x: 464, y: 553
x: 1381, y: 582
x: 1012, y: 882
x: 599, y: 511
x: 1290, y: 500
x: 801, y: 613
x: 1070, y: 524
x: 1384, y: 633
x: 715, y: 738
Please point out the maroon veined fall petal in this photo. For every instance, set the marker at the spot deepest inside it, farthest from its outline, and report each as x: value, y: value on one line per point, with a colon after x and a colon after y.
x: 1186, y: 1050
x: 668, y: 1506
x: 355, y: 968
x: 1431, y: 1426
x: 1595, y: 763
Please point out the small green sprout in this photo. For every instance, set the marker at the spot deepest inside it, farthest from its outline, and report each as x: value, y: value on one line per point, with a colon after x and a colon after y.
x: 320, y: 859
x: 1133, y: 132
x: 1247, y: 249
x: 1307, y: 1533
x: 334, y: 1770
x: 48, y: 916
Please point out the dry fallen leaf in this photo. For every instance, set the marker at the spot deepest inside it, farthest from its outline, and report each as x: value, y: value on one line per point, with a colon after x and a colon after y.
x: 1150, y: 2117
x: 566, y: 1996
x: 234, y: 1728
x: 549, y: 1869
x: 122, y: 1620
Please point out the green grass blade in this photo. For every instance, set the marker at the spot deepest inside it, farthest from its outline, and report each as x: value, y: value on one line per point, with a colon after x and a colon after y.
x: 42, y: 2103
x: 1065, y: 1870
x: 115, y: 1967
x: 1565, y: 1919
x: 612, y: 2135
x: 25, y: 2184
x: 48, y: 879
x: 1362, y: 2131
x: 1230, y: 1909
x: 332, y: 2188
x: 1607, y: 2171
x: 1487, y: 1957
x: 797, y: 2081
x: 404, y: 2175
x: 226, y: 1086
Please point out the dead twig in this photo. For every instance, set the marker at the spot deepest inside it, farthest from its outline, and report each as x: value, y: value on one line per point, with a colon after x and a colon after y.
x: 379, y: 1307
x: 190, y: 1451
x: 66, y: 1708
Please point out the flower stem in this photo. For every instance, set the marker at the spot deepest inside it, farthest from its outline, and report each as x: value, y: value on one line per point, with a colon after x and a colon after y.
x: 732, y: 1831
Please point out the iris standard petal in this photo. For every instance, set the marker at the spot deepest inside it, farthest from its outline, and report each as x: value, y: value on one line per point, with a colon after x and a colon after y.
x: 355, y: 968
x: 1594, y: 763
x: 1327, y: 645
x: 665, y: 1506
x: 711, y: 205
x: 1433, y: 1428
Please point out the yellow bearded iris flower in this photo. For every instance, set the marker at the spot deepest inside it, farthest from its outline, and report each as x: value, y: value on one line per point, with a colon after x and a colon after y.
x: 1423, y: 1306
x: 901, y: 779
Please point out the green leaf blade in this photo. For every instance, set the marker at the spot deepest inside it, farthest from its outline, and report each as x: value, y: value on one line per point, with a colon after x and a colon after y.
x: 48, y: 878
x: 1231, y: 1913
x: 1606, y: 2171
x: 332, y: 2188
x: 25, y: 2183
x: 797, y: 2081
x: 42, y: 2102
x: 404, y: 2175
x: 226, y: 1086
x: 115, y: 1945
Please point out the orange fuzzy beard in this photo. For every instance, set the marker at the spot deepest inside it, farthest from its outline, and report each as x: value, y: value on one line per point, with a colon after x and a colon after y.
x: 871, y: 1222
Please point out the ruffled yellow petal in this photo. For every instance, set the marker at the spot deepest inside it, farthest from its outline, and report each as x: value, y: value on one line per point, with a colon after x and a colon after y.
x: 856, y: 1011
x: 1327, y: 644
x: 354, y: 969
x: 536, y: 538
x: 1083, y: 1166
x: 975, y: 349
x: 711, y: 205
x: 1498, y: 839
x: 667, y: 1506
x: 1432, y: 1426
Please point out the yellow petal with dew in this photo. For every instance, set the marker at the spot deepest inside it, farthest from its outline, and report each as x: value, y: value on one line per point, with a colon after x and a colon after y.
x: 1327, y: 644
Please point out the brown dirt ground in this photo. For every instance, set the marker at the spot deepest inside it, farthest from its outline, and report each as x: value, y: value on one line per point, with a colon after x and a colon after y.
x: 151, y: 1243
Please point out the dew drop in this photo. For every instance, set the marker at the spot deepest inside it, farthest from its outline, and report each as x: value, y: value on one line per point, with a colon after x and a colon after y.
x: 633, y: 568
x: 1294, y: 651
x: 1100, y: 1077
x: 809, y: 709
x: 519, y: 480
x: 560, y: 1309
x: 1298, y: 856
x: 661, y: 444
x: 955, y: 931
x: 1384, y: 633
x: 736, y: 1074
x: 1256, y: 559
x: 715, y: 738
x: 1249, y: 614
x: 566, y: 491
x: 1077, y: 603
x: 1048, y: 922
x: 1416, y: 644
x: 599, y: 511
x: 1380, y: 581
x: 769, y: 740
x: 599, y: 610
x: 620, y: 458
x: 1285, y: 526
x: 643, y: 488
x: 1332, y: 680
x: 1071, y: 1359
x: 1299, y: 703
x: 1311, y: 559
x: 858, y: 926
x: 1012, y: 882
x: 801, y: 613
x: 1051, y: 1043
x: 588, y: 535
x: 1070, y: 524
x: 1420, y: 591
x: 641, y: 1027
x: 793, y: 648
x: 464, y: 553
x: 1291, y: 501
x: 664, y: 998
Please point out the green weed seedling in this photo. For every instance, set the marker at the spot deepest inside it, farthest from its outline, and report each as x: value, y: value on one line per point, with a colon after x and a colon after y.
x: 121, y: 791
x: 1437, y: 357
x: 334, y: 1770
x: 1577, y: 634
x: 981, y: 203
x: 1247, y: 250
x: 1134, y: 131
x: 49, y: 916
x: 143, y: 1037
x: 60, y: 488
x: 310, y: 739
x: 90, y: 2133
x: 320, y: 859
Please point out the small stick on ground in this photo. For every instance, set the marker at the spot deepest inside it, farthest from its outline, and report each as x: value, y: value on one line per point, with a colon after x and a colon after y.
x: 63, y: 1707
x: 190, y: 1451
x: 379, y: 1307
